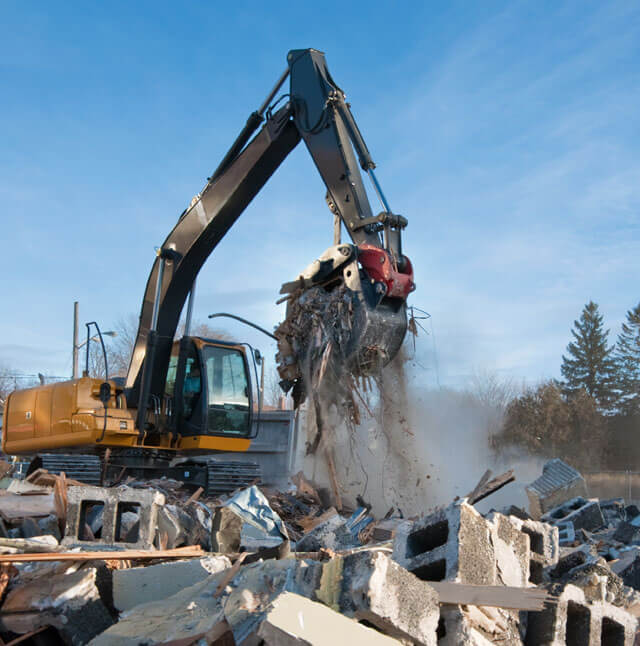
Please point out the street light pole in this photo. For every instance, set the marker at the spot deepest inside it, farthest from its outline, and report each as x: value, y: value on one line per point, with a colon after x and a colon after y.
x: 75, y: 340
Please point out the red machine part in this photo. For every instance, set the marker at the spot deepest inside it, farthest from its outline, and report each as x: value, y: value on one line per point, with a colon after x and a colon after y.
x: 382, y: 268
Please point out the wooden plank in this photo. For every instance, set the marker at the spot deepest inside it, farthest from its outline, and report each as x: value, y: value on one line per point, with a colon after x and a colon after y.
x: 179, y: 552
x: 334, y: 478
x: 196, y: 494
x: 481, y: 483
x: 498, y: 596
x: 481, y: 492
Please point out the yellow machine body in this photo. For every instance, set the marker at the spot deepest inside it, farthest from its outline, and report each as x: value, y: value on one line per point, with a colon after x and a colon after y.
x: 70, y: 414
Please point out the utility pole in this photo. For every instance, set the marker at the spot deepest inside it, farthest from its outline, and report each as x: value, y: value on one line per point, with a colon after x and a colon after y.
x: 75, y: 340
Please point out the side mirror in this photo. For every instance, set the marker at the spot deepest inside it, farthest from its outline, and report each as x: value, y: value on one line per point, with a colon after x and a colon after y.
x: 258, y: 357
x: 105, y: 393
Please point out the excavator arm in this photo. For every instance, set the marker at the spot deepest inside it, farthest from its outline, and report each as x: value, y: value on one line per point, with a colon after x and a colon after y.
x: 317, y: 113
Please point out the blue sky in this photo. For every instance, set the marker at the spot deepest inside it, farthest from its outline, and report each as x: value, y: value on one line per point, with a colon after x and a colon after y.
x: 507, y: 132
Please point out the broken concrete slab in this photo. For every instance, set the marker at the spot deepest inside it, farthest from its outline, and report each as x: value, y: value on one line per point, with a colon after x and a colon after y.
x: 134, y: 586
x: 192, y: 611
x: 451, y: 544
x: 256, y: 585
x: 558, y: 483
x: 111, y: 505
x: 294, y: 620
x: 574, y: 620
x: 580, y: 512
x: 14, y: 507
x: 242, y: 601
x: 69, y: 602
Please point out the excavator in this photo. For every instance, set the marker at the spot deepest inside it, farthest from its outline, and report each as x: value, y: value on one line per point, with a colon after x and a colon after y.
x: 194, y: 398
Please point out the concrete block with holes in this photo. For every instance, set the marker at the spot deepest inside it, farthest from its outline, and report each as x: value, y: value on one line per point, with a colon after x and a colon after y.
x: 120, y: 517
x: 574, y: 620
x: 452, y: 544
x: 544, y: 547
x: 580, y: 512
x: 559, y: 482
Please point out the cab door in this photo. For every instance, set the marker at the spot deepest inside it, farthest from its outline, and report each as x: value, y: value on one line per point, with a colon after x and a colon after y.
x: 229, y: 397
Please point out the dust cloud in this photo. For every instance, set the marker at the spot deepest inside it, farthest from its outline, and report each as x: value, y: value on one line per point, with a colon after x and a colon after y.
x: 416, y: 448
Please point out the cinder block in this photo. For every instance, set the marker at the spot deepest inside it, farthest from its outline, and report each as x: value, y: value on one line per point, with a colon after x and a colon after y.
x: 581, y: 513
x: 573, y: 620
x: 451, y: 544
x: 134, y: 586
x: 559, y: 482
x: 371, y: 587
x: 512, y: 552
x: 113, y: 505
x: 566, y: 533
x: 543, y: 544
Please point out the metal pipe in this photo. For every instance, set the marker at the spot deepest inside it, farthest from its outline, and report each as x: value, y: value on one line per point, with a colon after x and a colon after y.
x: 378, y: 190
x: 276, y: 87
x: 86, y: 369
x: 187, y: 323
x: 75, y: 367
x: 254, y: 120
x: 239, y: 318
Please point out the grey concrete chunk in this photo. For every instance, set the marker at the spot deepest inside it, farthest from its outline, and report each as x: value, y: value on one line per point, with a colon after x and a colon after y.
x: 134, y: 586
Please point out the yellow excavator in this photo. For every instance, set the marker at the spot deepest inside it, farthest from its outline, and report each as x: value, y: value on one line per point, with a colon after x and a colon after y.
x: 194, y: 397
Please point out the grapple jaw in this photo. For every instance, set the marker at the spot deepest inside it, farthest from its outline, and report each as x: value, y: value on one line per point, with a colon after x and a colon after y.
x: 345, y: 312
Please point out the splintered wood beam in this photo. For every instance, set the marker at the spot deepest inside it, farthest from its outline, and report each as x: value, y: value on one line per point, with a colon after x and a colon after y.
x: 485, y: 488
x: 114, y: 555
x: 498, y: 596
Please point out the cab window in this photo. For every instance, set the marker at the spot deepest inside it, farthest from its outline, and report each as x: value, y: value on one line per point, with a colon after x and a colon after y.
x: 227, y: 390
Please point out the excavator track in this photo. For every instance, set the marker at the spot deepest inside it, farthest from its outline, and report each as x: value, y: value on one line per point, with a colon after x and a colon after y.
x: 76, y: 466
x: 215, y: 475
x: 225, y: 477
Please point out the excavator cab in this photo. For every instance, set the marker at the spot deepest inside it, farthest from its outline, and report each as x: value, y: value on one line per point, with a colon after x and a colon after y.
x: 209, y: 386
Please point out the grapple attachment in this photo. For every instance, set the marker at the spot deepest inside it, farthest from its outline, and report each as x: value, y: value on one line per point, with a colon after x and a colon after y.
x: 345, y: 312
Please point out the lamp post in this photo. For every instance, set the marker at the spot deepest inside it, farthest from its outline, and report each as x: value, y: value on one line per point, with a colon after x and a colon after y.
x: 76, y: 345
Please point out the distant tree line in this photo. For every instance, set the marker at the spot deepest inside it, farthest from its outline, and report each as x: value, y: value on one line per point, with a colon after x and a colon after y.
x: 592, y: 415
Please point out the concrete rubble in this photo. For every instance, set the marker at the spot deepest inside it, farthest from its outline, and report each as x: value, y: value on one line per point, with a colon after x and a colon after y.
x: 283, y: 567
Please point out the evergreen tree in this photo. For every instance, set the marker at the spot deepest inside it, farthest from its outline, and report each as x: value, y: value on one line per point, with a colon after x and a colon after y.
x: 627, y: 355
x: 590, y: 363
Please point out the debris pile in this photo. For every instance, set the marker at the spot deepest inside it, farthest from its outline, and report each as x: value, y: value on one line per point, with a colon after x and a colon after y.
x: 153, y: 563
